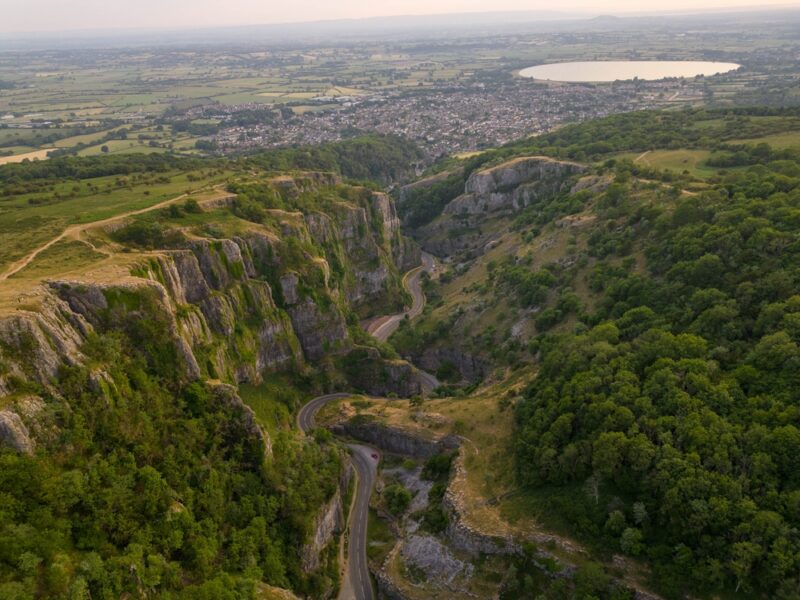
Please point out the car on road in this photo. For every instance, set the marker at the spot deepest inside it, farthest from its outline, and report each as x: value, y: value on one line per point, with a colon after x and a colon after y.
x: 375, y: 456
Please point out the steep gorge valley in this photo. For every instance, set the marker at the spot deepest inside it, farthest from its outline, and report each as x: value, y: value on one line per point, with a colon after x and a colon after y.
x: 612, y: 344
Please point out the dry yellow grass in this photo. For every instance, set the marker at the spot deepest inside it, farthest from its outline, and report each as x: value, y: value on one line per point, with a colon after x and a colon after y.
x: 35, y: 155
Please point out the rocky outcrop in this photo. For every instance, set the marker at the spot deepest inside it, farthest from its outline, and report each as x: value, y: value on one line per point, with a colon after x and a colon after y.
x: 34, y: 345
x: 387, y: 589
x: 405, y: 253
x: 434, y: 559
x: 330, y: 522
x: 368, y: 372
x: 498, y: 191
x: 319, y: 332
x: 14, y: 434
x: 394, y: 440
x: 513, y: 185
x: 268, y: 592
x: 227, y: 396
x: 469, y: 540
x: 471, y: 368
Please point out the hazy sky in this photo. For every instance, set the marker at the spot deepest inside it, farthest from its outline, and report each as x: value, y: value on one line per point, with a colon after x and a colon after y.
x: 54, y: 15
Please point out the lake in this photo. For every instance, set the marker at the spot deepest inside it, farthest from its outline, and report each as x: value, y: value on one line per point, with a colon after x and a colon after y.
x: 613, y: 70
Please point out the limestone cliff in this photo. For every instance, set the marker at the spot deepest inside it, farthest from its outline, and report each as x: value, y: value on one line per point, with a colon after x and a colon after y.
x: 230, y: 302
x: 331, y: 521
x: 394, y: 439
x: 493, y: 192
x: 512, y: 185
x: 255, y: 298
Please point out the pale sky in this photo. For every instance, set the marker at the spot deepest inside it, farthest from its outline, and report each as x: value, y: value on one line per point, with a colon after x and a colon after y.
x: 57, y: 15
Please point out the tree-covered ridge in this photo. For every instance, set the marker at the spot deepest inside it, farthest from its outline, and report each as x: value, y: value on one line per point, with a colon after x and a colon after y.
x: 672, y: 408
x: 146, y: 485
x: 372, y: 157
x: 383, y: 158
x: 89, y: 167
x: 715, y: 130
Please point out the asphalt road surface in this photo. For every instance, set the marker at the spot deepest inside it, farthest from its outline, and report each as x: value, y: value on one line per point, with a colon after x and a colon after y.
x: 357, y: 584
x: 382, y: 328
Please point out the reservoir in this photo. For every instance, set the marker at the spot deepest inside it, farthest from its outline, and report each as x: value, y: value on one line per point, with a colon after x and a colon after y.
x: 613, y: 70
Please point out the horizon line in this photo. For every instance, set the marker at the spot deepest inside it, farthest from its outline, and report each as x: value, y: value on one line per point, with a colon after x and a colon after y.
x: 565, y: 15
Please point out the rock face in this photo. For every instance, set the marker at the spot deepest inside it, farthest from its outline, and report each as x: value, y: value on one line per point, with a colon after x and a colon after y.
x: 319, y: 332
x: 433, y: 558
x: 394, y: 440
x: 471, y: 368
x: 270, y: 298
x: 497, y: 191
x: 512, y: 185
x: 471, y: 541
x: 387, y: 589
x: 367, y: 371
x: 330, y: 522
x: 36, y: 344
x: 14, y: 434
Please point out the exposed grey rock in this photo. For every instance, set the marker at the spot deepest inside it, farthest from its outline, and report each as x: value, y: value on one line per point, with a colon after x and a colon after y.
x: 37, y: 344
x: 512, y: 185
x: 433, y: 558
x: 185, y: 281
x: 14, y: 434
x: 413, y: 482
x: 517, y: 171
x: 496, y: 191
x: 394, y: 440
x: 472, y: 368
x: 380, y: 377
x: 330, y: 521
x: 595, y: 184
x: 319, y: 333
x: 387, y: 589
x: 289, y: 288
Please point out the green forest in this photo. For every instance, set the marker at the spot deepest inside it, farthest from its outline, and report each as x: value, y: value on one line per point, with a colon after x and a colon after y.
x: 151, y: 486
x: 665, y: 423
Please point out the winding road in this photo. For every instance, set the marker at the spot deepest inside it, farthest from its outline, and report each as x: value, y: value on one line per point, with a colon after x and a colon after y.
x: 382, y: 328
x: 357, y: 583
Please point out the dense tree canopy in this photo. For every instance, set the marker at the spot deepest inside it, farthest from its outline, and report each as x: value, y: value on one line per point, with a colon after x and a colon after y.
x: 675, y: 406
x: 150, y: 486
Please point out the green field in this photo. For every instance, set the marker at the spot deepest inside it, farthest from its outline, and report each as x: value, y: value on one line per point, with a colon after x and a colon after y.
x: 678, y: 161
x: 790, y: 139
x: 26, y: 226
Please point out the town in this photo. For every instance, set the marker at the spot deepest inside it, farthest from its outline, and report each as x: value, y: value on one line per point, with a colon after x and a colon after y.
x: 444, y: 120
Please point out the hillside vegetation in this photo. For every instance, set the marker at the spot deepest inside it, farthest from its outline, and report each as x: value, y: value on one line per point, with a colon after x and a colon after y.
x: 130, y: 465
x: 653, y: 313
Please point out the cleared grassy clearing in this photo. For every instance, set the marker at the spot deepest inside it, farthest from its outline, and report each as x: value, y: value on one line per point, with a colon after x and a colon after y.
x: 121, y: 147
x: 779, y: 141
x: 12, y: 150
x: 272, y: 402
x: 83, y: 139
x: 678, y: 161
x: 25, y: 227
x: 61, y: 260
